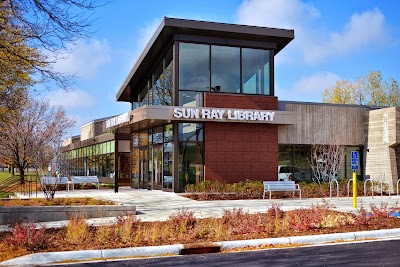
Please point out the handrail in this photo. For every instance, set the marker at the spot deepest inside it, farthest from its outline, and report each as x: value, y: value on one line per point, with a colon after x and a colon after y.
x: 14, y: 183
x: 365, y: 187
x: 337, y: 187
x: 348, y: 187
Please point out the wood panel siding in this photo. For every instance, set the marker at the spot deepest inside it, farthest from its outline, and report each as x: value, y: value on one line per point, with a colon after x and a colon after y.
x: 323, y: 124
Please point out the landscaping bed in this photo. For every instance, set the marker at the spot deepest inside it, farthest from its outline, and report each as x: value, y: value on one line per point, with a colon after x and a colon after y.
x: 183, y: 227
x: 54, y: 202
x: 216, y: 190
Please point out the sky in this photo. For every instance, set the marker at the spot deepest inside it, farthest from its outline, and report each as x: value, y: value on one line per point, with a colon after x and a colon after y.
x: 334, y: 40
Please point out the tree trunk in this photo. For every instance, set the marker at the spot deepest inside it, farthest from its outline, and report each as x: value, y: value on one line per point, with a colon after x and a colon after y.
x: 22, y: 174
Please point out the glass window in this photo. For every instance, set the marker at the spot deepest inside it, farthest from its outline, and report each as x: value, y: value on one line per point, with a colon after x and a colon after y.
x: 112, y: 146
x: 190, y: 131
x: 143, y: 138
x: 162, y: 88
x: 225, y: 69
x: 157, y: 86
x: 158, y: 135
x: 168, y: 166
x: 190, y: 99
x: 190, y: 163
x: 194, y: 62
x: 255, y: 71
x: 168, y: 133
x: 135, y: 139
x: 144, y: 96
x: 135, y: 168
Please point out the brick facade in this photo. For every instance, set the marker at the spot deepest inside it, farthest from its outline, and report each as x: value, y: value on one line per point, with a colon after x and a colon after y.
x: 240, y: 151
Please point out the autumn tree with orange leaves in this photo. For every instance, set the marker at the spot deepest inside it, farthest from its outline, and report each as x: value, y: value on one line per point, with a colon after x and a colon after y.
x: 31, y: 135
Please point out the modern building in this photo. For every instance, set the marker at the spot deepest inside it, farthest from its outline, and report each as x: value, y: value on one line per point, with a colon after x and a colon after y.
x: 204, y: 108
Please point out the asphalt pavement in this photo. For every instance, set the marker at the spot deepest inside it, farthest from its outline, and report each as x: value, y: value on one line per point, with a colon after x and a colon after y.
x: 370, y: 253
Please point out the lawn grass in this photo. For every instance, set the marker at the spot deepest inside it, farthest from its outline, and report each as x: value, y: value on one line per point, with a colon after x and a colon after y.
x: 4, y: 175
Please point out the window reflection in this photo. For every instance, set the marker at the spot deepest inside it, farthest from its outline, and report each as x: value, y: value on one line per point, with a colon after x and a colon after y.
x: 194, y: 67
x: 190, y: 163
x: 191, y: 99
x: 144, y: 96
x: 225, y: 69
x: 163, y: 85
x: 190, y: 132
x: 255, y: 71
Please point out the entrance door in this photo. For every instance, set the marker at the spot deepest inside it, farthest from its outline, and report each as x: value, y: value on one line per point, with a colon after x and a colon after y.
x: 143, y: 167
x: 157, y: 166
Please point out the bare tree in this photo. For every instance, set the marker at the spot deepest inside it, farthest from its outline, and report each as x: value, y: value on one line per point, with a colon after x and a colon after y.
x: 29, y: 134
x: 325, y: 161
x: 35, y: 33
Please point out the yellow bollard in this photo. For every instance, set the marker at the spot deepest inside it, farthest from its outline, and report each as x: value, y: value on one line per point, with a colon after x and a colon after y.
x: 354, y: 190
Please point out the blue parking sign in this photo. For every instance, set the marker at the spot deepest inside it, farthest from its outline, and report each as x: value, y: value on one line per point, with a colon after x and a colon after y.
x: 354, y: 160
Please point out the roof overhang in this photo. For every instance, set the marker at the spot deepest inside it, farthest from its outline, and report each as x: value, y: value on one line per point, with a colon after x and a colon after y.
x: 171, y: 27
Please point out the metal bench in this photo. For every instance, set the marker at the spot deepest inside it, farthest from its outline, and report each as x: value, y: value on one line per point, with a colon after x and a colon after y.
x: 47, y: 180
x: 270, y: 186
x: 84, y: 180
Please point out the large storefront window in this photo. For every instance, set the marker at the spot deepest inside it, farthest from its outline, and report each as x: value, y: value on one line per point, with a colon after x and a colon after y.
x: 152, y: 158
x: 194, y: 64
x: 215, y: 68
x: 95, y: 160
x: 190, y: 158
x: 225, y: 69
x: 163, y: 82
x: 255, y: 71
x: 190, y: 99
x: 157, y: 89
x: 295, y: 161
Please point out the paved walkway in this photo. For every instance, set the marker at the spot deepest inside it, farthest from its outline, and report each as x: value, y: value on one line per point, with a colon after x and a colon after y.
x: 158, y: 205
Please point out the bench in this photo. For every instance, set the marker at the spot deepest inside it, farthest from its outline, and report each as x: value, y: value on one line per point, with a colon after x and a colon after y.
x: 84, y: 180
x: 270, y: 186
x: 47, y: 180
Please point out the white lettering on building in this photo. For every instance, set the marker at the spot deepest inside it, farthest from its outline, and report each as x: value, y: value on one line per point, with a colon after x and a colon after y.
x: 219, y: 114
x: 117, y: 120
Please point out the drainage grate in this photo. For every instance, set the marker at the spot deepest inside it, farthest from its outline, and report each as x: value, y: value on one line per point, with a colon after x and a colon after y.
x: 200, y: 248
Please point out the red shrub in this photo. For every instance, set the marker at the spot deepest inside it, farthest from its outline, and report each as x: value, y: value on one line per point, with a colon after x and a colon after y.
x: 27, y: 236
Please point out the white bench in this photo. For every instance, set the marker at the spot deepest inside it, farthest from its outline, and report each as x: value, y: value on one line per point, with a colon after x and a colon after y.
x: 84, y: 180
x: 270, y: 186
x: 47, y: 180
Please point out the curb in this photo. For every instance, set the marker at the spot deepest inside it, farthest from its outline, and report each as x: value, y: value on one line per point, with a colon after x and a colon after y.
x: 151, y: 251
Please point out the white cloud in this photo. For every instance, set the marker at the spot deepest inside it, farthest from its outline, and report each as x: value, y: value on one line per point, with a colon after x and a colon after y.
x: 289, y: 14
x: 363, y: 30
x: 313, y: 42
x: 86, y: 58
x: 309, y: 88
x: 72, y: 99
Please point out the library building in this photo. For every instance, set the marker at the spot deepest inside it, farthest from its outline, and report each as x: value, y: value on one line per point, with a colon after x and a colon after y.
x: 203, y: 108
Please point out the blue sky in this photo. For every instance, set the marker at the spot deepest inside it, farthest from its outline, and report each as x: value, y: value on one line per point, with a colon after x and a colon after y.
x: 333, y: 40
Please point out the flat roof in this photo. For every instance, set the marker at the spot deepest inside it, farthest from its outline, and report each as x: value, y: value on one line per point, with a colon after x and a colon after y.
x: 170, y: 26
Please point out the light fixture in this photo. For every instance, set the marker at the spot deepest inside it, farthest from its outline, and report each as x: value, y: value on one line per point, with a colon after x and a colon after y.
x: 217, y: 88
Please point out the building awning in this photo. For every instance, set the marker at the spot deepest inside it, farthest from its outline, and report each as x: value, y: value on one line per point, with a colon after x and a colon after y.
x: 152, y: 116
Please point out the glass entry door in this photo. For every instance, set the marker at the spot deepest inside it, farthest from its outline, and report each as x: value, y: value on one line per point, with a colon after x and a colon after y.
x: 157, y: 166
x: 143, y: 167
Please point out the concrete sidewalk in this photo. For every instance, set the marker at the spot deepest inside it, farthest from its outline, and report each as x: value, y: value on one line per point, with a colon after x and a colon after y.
x: 158, y: 205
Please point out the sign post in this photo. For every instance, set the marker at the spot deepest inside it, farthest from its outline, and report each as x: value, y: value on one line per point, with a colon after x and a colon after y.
x: 354, y: 167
